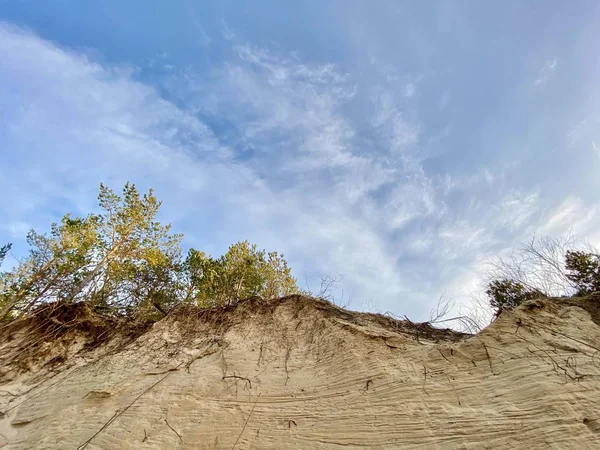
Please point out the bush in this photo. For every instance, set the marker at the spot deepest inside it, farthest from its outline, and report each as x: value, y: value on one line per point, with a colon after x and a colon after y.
x: 508, y: 294
x: 583, y: 270
x: 546, y: 267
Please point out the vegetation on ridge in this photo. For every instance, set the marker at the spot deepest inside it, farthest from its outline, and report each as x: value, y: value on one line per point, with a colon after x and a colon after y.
x: 544, y: 267
x: 124, y: 260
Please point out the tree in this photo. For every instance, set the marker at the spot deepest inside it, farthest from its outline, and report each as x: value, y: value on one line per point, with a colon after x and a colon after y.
x: 122, y: 260
x: 583, y: 270
x: 119, y: 258
x: 278, y: 279
x: 55, y: 262
x: 3, y: 252
x: 546, y: 266
x: 135, y: 255
x: 244, y: 271
x: 507, y: 294
x: 201, y: 280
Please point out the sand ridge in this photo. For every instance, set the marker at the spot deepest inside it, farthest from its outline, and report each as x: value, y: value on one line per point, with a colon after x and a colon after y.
x: 300, y: 373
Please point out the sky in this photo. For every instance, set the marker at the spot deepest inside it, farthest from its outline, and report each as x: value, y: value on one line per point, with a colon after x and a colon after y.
x: 398, y: 144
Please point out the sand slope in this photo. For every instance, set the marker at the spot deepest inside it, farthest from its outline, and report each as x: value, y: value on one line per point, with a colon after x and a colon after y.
x: 298, y: 373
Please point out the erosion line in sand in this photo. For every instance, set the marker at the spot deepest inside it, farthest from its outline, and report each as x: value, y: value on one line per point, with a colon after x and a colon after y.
x: 247, y: 380
x: 454, y: 389
x: 246, y: 423
x: 174, y: 430
x: 443, y: 356
x: 287, y: 357
x: 537, y: 324
x: 489, y: 358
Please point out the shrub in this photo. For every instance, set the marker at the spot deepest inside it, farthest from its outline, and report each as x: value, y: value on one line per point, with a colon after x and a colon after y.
x: 508, y: 294
x: 542, y: 267
x: 583, y: 270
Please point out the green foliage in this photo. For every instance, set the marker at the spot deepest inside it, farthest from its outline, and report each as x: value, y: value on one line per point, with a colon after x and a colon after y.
x: 277, y: 277
x: 3, y: 251
x: 135, y: 254
x: 543, y: 267
x: 119, y: 258
x: 244, y: 271
x: 507, y: 294
x: 583, y: 269
x: 123, y: 260
x: 53, y: 265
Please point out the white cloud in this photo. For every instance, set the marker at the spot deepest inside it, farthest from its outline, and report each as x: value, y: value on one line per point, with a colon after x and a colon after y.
x: 546, y: 71
x: 571, y: 214
x: 77, y: 123
x: 321, y: 164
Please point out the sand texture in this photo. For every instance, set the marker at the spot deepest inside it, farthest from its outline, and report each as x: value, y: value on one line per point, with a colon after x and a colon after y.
x: 299, y: 373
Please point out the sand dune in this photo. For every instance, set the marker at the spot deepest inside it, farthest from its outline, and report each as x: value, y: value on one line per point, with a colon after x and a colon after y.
x: 299, y: 373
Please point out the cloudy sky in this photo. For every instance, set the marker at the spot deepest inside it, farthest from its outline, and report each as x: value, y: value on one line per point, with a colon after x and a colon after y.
x: 399, y: 144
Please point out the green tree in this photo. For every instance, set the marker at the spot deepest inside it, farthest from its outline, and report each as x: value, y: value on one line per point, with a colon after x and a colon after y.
x: 121, y: 258
x: 244, y: 271
x: 277, y: 277
x: 54, y: 263
x: 583, y: 269
x: 4, y: 251
x: 507, y: 294
x: 135, y: 255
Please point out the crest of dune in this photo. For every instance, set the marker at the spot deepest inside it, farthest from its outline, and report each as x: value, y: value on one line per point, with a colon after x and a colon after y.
x: 300, y: 373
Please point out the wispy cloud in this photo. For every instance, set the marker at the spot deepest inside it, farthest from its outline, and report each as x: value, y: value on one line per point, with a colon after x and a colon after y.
x: 571, y: 214
x: 546, y: 71
x: 328, y: 165
x: 81, y: 123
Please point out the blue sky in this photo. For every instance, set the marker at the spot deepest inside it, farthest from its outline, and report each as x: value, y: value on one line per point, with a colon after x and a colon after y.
x: 401, y: 144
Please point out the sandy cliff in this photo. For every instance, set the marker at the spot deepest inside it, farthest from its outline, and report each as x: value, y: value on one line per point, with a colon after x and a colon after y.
x: 299, y: 373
